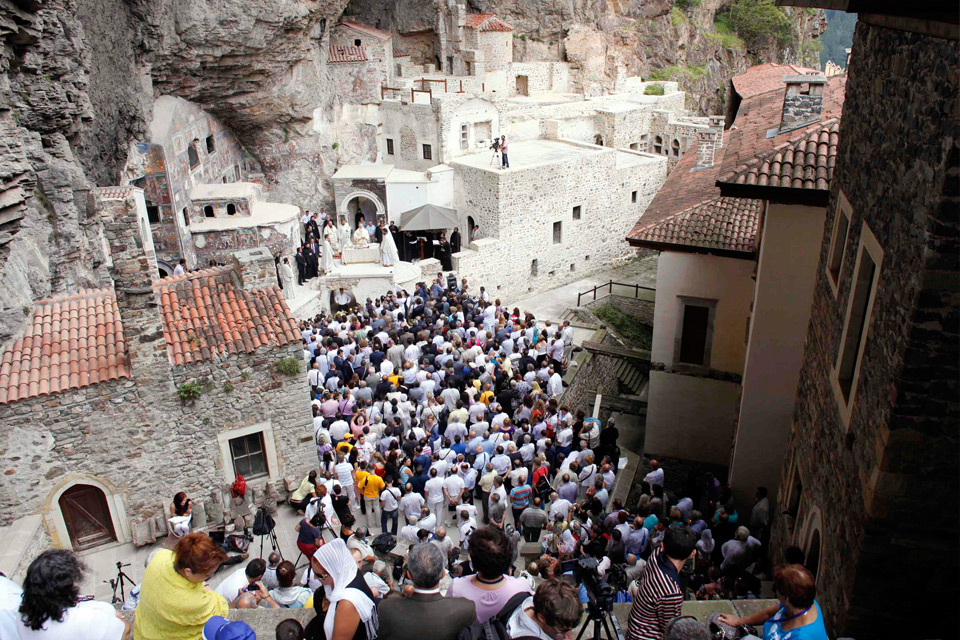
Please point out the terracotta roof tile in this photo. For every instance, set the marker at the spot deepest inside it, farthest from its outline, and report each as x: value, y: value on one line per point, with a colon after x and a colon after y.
x: 724, y: 224
x: 346, y: 53
x: 766, y: 77
x: 367, y: 29
x: 207, y: 314
x: 487, y: 22
x: 806, y: 161
x: 70, y: 342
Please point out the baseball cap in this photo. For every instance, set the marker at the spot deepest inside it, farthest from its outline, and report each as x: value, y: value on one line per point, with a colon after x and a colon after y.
x: 219, y: 628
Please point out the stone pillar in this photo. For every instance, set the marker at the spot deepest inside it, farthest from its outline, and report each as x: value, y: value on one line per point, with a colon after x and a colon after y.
x: 133, y: 275
x: 256, y: 268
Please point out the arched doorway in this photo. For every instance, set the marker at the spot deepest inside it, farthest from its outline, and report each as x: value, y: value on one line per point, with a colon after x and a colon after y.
x: 812, y: 561
x: 87, y: 516
x: 164, y: 269
x: 361, y: 206
x: 470, y: 225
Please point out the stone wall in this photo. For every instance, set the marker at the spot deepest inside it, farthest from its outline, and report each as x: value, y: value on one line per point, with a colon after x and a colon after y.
x: 882, y: 492
x: 521, y: 206
x: 410, y: 126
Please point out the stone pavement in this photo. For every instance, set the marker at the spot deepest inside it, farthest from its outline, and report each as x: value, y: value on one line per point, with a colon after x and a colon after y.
x: 553, y: 304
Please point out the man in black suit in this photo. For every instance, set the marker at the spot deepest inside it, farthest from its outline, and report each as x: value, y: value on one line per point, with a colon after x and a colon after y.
x: 455, y: 240
x: 425, y: 614
x: 301, y: 266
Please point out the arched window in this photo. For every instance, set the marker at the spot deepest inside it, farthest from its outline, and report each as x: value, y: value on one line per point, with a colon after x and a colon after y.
x: 193, y: 156
x: 208, y: 211
x: 658, y: 144
x: 231, y: 209
x: 186, y: 219
x: 675, y: 148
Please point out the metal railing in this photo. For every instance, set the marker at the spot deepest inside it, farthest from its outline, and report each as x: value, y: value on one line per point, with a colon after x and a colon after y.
x: 609, y: 287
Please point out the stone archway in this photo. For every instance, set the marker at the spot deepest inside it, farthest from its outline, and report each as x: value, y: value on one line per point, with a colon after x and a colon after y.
x: 345, y: 209
x: 56, y: 524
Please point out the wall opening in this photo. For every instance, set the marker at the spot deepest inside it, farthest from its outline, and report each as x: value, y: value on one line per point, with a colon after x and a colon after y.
x: 208, y: 211
x: 523, y: 85
x: 249, y: 457
x: 534, y: 267
x: 427, y: 152
x: 812, y: 561
x: 87, y: 515
x: 231, y: 209
x: 192, y: 155
x: 389, y: 146
x: 675, y: 148
x: 633, y: 197
x: 153, y: 214
x: 361, y: 206
x: 211, y: 144
x: 658, y: 144
x: 186, y: 219
x: 557, y: 232
x: 577, y: 210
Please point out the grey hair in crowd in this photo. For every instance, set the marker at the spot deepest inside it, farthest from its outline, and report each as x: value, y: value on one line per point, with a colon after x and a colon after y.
x: 425, y: 565
x: 686, y: 628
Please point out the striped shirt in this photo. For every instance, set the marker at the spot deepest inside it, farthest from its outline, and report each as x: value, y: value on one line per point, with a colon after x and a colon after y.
x: 520, y: 496
x: 658, y: 600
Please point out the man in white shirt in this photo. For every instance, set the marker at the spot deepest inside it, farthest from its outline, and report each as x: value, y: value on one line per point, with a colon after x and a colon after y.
x: 452, y: 490
x: 338, y: 430
x: 655, y: 476
x: 434, y: 490
x: 501, y: 462
x: 558, y: 506
x: 411, y: 503
x: 242, y: 579
x: 554, y: 383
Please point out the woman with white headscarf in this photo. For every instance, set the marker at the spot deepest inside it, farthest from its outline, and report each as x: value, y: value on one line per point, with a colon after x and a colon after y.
x: 352, y: 613
x: 706, y: 543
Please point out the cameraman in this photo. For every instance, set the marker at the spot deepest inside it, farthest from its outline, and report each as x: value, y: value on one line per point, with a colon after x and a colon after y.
x: 659, y: 593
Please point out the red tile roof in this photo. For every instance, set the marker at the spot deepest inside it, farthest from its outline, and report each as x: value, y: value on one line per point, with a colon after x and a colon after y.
x: 766, y: 77
x: 72, y: 341
x: 379, y: 34
x: 722, y: 225
x: 116, y: 193
x: 207, y: 314
x: 345, y: 53
x: 487, y: 22
x: 802, y: 162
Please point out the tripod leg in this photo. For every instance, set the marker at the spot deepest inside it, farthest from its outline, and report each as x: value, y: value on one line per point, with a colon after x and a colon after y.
x: 606, y: 628
x: 583, y: 629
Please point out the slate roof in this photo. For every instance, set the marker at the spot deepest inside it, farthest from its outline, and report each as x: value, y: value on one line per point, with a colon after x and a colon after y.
x: 727, y: 225
x: 346, y: 53
x: 766, y: 77
x: 803, y: 162
x: 72, y: 341
x: 487, y: 22
x: 379, y: 34
x: 207, y: 314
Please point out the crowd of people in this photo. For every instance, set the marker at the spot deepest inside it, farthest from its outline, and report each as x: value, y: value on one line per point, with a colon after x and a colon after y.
x: 439, y: 421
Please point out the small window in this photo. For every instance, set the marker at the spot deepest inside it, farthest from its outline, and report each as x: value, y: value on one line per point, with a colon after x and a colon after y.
x: 357, y: 42
x: 634, y: 146
x: 208, y: 211
x: 534, y: 267
x: 573, y: 267
x: 464, y: 136
x: 675, y: 148
x: 389, y: 146
x: 860, y: 306
x: 838, y: 242
x: 249, y: 457
x: 211, y: 144
x: 153, y: 214
x: 186, y: 219
x: 231, y: 209
x: 427, y: 152
x: 557, y: 232
x: 658, y: 144
x: 193, y: 156
x: 577, y: 210
x: 633, y: 197
x: 399, y: 72
x: 645, y: 142
x: 695, y: 331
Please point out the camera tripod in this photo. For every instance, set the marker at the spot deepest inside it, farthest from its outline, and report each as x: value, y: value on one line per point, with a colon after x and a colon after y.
x: 274, y: 543
x: 597, y: 615
x: 495, y: 161
x: 117, y: 582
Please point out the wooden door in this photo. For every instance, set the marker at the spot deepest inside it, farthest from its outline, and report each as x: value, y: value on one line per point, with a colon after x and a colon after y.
x: 87, y: 516
x: 522, y: 85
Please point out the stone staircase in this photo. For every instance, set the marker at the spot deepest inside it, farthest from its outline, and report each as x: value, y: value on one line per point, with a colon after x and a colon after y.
x: 631, y: 377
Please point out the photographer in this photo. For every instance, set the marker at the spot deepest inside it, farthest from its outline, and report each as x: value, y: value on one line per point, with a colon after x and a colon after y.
x: 242, y: 579
x: 659, y: 593
x: 181, y: 512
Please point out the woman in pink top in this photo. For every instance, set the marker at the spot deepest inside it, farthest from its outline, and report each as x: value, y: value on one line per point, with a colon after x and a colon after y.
x: 489, y: 588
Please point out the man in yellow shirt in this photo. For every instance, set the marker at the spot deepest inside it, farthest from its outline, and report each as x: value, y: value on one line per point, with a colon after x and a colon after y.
x: 370, y: 487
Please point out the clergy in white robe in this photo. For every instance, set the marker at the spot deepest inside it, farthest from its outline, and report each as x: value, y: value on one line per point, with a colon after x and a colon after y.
x: 286, y: 273
x: 360, y: 237
x: 388, y: 249
x: 344, y: 235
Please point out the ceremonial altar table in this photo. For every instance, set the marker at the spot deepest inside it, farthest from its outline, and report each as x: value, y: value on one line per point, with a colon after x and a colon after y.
x: 362, y: 255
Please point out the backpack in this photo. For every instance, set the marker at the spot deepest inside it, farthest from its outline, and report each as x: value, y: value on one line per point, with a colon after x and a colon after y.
x: 263, y: 523
x: 384, y: 543
x: 496, y: 627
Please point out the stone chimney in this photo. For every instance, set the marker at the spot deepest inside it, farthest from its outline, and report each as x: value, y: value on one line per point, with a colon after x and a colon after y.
x: 133, y: 272
x: 256, y: 268
x: 708, y: 141
x: 802, y: 101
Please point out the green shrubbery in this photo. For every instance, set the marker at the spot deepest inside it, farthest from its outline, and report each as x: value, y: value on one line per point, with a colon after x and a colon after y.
x: 755, y: 20
x: 288, y: 366
x: 653, y: 90
x: 676, y: 72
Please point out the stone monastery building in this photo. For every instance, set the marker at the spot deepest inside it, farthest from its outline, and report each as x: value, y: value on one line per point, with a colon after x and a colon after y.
x: 98, y: 436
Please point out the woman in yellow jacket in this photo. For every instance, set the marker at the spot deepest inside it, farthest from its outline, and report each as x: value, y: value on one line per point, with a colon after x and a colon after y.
x: 174, y: 601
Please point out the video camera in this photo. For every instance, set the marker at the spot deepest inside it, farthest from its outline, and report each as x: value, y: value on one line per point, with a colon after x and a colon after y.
x: 496, y: 144
x: 599, y: 592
